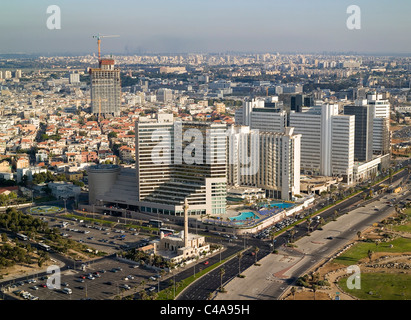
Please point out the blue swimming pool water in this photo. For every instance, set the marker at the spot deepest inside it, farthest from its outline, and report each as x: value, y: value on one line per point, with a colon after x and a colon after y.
x: 244, y: 216
x: 282, y: 205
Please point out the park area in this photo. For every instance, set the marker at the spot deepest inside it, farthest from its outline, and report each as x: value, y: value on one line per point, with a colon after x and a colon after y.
x: 383, y: 257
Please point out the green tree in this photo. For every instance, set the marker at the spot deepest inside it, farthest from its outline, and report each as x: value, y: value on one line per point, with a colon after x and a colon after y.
x: 112, y: 134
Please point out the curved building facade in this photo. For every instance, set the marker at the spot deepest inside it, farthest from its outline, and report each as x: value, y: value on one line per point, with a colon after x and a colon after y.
x: 101, y: 178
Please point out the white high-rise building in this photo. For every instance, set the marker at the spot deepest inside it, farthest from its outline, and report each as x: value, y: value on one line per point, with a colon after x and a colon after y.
x: 165, y: 95
x: 381, y: 126
x: 327, y: 143
x: 266, y: 160
x: 342, y: 147
x: 171, y: 168
x: 258, y: 115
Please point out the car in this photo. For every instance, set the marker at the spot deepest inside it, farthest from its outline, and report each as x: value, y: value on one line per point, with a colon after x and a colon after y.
x: 130, y: 277
x: 35, y: 288
x: 65, y: 284
x: 80, y: 280
x: 108, y: 283
x: 330, y: 238
x: 102, y: 271
x: 152, y: 289
x: 43, y: 285
x: 80, y: 287
x: 206, y: 263
x: 152, y: 278
x: 125, y: 286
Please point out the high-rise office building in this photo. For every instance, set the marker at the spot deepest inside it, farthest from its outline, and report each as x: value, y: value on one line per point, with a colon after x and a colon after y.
x: 74, y: 78
x: 300, y: 100
x: 171, y: 168
x: 266, y: 160
x: 364, y: 115
x: 164, y: 95
x: 262, y: 116
x: 327, y: 142
x: 381, y: 125
x: 105, y: 88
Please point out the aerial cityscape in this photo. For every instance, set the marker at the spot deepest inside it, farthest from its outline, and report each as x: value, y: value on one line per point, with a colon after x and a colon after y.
x: 163, y: 170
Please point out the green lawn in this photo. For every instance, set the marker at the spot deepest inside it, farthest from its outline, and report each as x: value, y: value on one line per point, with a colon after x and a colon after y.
x: 381, y: 286
x: 360, y: 250
x: 406, y: 227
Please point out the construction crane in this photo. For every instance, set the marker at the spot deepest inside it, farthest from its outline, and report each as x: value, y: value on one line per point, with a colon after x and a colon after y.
x: 99, y: 108
x: 99, y: 37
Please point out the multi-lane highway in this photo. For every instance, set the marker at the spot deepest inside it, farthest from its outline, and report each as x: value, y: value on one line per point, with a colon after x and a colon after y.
x: 211, y: 282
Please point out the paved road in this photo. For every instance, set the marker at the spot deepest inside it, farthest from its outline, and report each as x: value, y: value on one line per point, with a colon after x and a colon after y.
x: 311, y: 251
x: 201, y: 289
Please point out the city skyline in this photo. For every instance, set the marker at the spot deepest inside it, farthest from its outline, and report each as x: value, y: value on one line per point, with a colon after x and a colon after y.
x: 213, y: 26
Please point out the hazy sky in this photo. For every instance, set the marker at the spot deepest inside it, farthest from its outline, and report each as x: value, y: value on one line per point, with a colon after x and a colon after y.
x: 156, y: 26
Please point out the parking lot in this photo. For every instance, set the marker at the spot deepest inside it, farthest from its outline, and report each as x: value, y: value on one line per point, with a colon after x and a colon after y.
x: 101, y: 280
x: 98, y: 237
x: 265, y: 234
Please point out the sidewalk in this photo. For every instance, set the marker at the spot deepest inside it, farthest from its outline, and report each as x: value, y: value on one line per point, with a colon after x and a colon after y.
x: 270, y: 272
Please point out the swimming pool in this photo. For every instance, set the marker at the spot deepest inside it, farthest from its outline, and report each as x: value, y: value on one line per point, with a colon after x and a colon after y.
x: 282, y: 205
x: 244, y: 216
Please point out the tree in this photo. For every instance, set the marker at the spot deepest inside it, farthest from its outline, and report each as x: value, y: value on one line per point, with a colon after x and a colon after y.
x: 112, y: 134
x: 292, y: 234
x: 256, y: 250
x: 308, y: 225
x: 335, y: 215
x: 359, y: 235
x: 293, y: 291
x: 314, y: 287
x: 370, y: 253
x: 239, y: 256
x: 222, y: 272
x: 322, y: 222
x: 4, y: 238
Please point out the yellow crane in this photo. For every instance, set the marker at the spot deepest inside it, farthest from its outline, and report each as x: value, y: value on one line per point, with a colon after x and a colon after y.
x: 99, y: 37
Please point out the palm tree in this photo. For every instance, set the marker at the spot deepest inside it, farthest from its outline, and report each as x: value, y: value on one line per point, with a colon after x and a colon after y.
x: 335, y: 214
x: 315, y: 287
x: 256, y: 250
x: 293, y: 291
x: 322, y: 222
x: 359, y: 234
x: 239, y: 256
x: 370, y: 253
x: 222, y: 272
x: 292, y: 233
x: 272, y: 236
x: 308, y: 225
